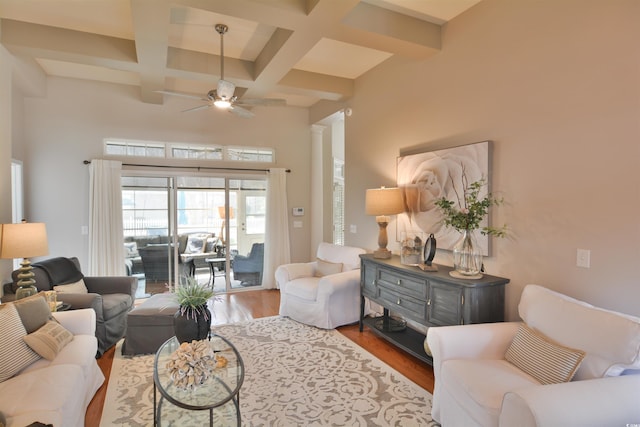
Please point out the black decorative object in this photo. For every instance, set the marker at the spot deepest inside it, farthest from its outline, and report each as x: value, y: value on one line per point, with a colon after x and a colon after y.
x: 429, y: 253
x: 188, y: 328
x: 429, y: 249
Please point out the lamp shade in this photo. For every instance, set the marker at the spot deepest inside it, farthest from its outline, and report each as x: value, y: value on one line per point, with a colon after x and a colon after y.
x: 23, y: 240
x: 384, y: 201
x: 222, y: 214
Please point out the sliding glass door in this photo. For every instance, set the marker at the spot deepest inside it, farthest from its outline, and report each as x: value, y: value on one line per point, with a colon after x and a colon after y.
x: 210, y: 228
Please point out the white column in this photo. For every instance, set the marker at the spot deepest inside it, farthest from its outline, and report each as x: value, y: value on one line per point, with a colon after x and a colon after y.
x: 317, y: 202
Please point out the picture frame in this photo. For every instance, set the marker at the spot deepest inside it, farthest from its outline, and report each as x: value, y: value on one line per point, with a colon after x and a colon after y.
x: 428, y: 176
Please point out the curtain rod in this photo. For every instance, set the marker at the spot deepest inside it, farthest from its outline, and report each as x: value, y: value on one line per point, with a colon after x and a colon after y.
x: 87, y: 162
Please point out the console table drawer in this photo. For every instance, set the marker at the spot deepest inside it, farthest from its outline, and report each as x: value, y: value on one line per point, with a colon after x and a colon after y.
x: 369, y: 285
x: 410, y: 285
x: 414, y: 309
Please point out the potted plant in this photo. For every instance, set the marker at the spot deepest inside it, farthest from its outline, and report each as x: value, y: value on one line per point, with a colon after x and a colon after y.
x: 465, y: 215
x: 192, y: 321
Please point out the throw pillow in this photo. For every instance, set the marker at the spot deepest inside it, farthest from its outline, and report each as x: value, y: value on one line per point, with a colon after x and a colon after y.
x: 15, y: 354
x: 131, y: 250
x: 325, y: 268
x: 34, y: 311
x: 195, y: 243
x: 49, y: 340
x: 72, y: 288
x: 546, y: 361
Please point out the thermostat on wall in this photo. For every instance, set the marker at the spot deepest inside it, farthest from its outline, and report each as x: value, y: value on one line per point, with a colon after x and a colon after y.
x: 298, y: 211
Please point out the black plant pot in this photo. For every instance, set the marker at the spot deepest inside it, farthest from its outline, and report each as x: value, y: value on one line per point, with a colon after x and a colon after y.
x: 189, y: 329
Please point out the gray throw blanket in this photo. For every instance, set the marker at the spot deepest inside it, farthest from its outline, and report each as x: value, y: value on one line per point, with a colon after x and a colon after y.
x: 60, y: 270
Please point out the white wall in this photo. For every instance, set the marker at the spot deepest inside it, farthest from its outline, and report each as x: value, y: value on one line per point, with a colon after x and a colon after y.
x: 68, y: 125
x: 556, y: 86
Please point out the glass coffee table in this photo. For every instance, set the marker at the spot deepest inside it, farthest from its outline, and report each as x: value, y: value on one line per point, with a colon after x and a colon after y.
x: 219, y: 395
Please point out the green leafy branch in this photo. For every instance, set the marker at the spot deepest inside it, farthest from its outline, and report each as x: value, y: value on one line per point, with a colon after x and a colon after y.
x: 470, y: 210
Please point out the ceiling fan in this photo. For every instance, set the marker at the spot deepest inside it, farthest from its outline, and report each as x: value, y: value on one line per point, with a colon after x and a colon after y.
x: 223, y: 95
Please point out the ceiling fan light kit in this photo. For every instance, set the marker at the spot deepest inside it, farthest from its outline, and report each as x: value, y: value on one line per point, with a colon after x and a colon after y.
x: 221, y: 103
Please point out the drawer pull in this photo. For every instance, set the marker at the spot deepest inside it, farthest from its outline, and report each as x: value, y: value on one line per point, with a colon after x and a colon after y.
x: 398, y: 302
x: 373, y: 282
x: 429, y: 301
x: 399, y: 282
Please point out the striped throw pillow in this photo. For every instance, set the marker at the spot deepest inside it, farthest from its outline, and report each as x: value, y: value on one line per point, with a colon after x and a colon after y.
x: 15, y: 354
x: 546, y: 361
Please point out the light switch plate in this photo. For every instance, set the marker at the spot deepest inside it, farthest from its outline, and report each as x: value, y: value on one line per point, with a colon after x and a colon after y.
x: 583, y: 258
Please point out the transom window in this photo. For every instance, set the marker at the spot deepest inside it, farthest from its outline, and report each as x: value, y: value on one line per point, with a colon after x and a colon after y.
x: 155, y: 149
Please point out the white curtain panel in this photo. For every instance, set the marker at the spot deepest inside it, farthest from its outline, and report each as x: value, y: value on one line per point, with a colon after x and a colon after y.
x: 276, y: 245
x: 106, y: 250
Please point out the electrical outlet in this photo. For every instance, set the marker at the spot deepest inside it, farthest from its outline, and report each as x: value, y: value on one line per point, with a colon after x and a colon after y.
x: 583, y: 258
x: 353, y: 229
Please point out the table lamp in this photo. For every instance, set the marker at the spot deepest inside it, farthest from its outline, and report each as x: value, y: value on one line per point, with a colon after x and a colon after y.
x: 223, y: 216
x: 24, y: 240
x: 383, y: 202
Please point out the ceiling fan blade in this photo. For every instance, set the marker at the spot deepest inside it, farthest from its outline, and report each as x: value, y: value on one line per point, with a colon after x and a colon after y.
x: 273, y: 102
x: 242, y: 112
x: 181, y: 94
x: 199, y: 107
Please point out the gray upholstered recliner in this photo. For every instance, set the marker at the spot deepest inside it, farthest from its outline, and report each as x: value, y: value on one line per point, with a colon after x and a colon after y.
x: 111, y: 297
x: 248, y: 269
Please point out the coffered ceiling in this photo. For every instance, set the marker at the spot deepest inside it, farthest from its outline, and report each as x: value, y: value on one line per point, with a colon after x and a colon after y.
x: 303, y: 51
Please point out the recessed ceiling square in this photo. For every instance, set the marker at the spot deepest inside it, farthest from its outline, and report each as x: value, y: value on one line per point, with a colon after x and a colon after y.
x: 340, y: 59
x: 193, y: 29
x: 88, y: 72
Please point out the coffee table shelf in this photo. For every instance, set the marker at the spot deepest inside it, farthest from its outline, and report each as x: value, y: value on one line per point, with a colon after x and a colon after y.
x: 217, y: 393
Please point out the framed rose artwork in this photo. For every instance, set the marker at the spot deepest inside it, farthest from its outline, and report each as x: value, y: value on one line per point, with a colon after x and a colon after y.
x: 426, y: 177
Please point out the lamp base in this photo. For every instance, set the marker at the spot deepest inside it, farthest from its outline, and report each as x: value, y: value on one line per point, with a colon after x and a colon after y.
x: 382, y: 253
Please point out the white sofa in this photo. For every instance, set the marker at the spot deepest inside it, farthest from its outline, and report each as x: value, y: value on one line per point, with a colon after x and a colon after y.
x: 56, y: 391
x: 323, y: 293
x: 476, y: 386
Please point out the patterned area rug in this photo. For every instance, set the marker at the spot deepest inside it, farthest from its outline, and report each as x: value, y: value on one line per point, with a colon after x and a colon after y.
x: 295, y: 375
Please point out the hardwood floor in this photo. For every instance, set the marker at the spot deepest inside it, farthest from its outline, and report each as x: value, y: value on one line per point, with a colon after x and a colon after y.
x: 241, y: 306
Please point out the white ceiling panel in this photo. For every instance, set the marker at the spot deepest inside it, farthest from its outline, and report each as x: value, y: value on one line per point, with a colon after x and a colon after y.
x: 341, y: 59
x: 88, y: 72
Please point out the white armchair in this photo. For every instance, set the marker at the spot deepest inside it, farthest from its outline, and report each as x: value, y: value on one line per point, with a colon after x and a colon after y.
x: 323, y: 293
x: 476, y: 386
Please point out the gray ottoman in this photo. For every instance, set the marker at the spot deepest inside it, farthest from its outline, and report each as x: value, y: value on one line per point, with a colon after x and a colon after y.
x: 150, y: 324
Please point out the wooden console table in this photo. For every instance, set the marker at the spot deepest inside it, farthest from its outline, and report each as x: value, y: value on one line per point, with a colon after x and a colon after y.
x: 427, y: 298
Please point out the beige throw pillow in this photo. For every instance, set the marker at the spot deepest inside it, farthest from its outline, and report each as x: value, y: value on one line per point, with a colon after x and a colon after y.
x: 72, y: 288
x: 325, y: 268
x: 546, y: 361
x: 15, y: 354
x: 49, y: 340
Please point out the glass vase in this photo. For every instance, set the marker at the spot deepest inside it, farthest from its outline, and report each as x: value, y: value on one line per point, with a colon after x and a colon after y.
x: 412, y: 246
x: 467, y: 255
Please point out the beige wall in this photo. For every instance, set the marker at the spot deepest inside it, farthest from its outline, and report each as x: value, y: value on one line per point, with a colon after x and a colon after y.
x: 68, y: 125
x: 6, y: 98
x: 556, y: 86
